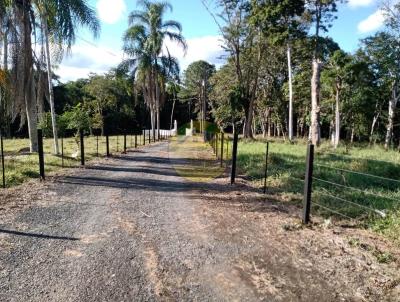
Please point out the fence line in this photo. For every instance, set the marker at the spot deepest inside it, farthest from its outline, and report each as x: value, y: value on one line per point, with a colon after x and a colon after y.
x: 353, y: 203
x: 359, y: 173
x: 332, y: 211
x: 359, y: 158
x: 310, y: 188
x: 354, y: 189
x: 94, y: 145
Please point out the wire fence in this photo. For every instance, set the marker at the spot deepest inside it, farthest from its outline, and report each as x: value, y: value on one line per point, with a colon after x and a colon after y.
x: 18, y: 164
x: 346, y: 187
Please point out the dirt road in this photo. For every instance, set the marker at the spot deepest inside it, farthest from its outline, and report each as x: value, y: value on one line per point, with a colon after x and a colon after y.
x: 131, y: 229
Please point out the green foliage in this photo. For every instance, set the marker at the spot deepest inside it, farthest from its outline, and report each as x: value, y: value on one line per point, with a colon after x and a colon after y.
x: 46, y: 125
x: 226, y: 97
x: 76, y: 119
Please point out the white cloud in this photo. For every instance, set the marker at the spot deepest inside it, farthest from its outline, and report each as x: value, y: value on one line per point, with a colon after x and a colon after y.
x: 111, y: 11
x: 207, y: 48
x: 85, y: 59
x: 372, y: 23
x: 360, y: 3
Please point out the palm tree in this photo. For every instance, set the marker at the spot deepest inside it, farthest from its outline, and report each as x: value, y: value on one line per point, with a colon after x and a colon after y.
x: 149, y: 31
x: 58, y: 23
x: 61, y: 19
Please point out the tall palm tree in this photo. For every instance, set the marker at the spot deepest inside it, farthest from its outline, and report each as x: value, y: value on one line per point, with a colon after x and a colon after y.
x: 148, y: 29
x: 58, y: 22
x: 62, y: 18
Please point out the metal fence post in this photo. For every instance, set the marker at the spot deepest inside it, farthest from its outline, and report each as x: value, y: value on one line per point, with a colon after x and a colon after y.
x: 144, y: 137
x: 234, y: 156
x: 41, y: 154
x: 62, y: 151
x: 135, y: 141
x: 222, y: 149
x: 266, y: 169
x: 308, y: 184
x: 82, y: 149
x: 2, y: 159
x: 107, y: 145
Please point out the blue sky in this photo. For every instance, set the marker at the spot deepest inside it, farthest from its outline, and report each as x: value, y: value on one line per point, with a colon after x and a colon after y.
x: 356, y: 19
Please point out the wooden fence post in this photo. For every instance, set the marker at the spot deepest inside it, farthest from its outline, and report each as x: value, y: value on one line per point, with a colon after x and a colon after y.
x: 62, y: 151
x: 234, y: 156
x: 41, y: 154
x: 266, y: 169
x: 308, y: 184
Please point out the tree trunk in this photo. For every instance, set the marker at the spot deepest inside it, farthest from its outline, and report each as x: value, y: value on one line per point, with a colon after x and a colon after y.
x: 371, y: 135
x: 172, y: 113
x: 289, y: 58
x: 50, y: 83
x: 352, y: 135
x: 29, y: 88
x: 269, y: 127
x: 248, y: 133
x: 337, y: 117
x: 392, y: 107
x: 152, y: 120
x: 315, y: 104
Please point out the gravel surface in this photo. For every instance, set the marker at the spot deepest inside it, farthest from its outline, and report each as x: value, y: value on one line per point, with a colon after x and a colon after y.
x: 130, y: 229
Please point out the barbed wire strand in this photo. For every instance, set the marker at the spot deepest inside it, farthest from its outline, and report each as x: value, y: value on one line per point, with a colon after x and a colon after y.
x: 359, y: 173
x: 354, y: 189
x: 360, y: 158
x: 333, y: 211
x: 354, y: 203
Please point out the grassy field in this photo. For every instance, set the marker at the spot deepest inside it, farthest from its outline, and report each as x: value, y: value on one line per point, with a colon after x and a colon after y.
x: 338, y: 192
x: 20, y: 166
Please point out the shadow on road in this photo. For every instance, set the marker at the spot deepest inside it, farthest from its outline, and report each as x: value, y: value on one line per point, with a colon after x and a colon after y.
x: 41, y: 236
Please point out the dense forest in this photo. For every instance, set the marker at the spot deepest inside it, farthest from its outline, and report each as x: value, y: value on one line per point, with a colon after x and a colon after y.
x: 283, y: 75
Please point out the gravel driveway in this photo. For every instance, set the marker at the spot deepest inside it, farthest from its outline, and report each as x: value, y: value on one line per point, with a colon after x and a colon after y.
x: 130, y: 229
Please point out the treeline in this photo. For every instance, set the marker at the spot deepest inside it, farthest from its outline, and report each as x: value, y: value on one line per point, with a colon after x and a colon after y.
x: 281, y: 80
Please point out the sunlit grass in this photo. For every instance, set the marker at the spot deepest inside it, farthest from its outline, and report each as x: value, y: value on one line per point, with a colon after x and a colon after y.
x: 286, y: 169
x: 20, y: 165
x: 195, y: 159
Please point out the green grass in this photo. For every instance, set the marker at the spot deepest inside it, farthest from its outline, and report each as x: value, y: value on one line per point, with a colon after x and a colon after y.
x: 196, y: 161
x: 286, y: 173
x: 21, y: 166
